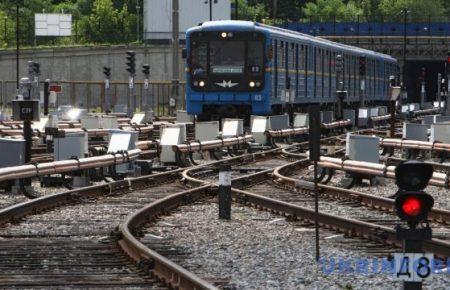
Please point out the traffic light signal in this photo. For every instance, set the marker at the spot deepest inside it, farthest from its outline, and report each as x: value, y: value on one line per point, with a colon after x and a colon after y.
x: 131, y: 62
x: 412, y: 204
x: 362, y: 65
x: 107, y: 71
x: 423, y: 74
x: 447, y: 64
x: 146, y: 69
x: 339, y: 63
x: 34, y: 68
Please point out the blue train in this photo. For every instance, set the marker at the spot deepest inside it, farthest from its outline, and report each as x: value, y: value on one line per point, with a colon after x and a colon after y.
x: 239, y: 68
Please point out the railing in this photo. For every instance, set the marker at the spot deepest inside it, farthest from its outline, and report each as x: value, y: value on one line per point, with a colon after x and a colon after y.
x: 370, y: 29
x: 91, y: 94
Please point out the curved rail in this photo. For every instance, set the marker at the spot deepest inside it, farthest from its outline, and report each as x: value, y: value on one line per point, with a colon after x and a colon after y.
x: 372, y: 201
x: 171, y: 273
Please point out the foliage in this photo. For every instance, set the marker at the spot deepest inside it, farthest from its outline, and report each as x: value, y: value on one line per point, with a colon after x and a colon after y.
x: 330, y: 10
x: 115, y: 21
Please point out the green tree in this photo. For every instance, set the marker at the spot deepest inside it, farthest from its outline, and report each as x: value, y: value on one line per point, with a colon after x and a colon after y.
x: 252, y: 11
x: 419, y: 10
x: 330, y: 10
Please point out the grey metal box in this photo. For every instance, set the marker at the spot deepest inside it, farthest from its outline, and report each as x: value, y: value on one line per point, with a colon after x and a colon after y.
x: 232, y: 127
x: 12, y: 152
x: 109, y: 122
x: 383, y: 110
x: 184, y: 117
x: 171, y: 135
x: 363, y: 117
x: 120, y: 140
x: 120, y: 108
x: 374, y: 112
x: 205, y: 131
x: 429, y: 120
x: 440, y: 132
x: 260, y: 124
x: 414, y: 131
x: 440, y: 119
x: 327, y: 117
x: 301, y: 120
x: 279, y: 122
x: 404, y: 109
x: 91, y: 122
x: 414, y: 107
x: 350, y: 115
x: 363, y: 148
x: 72, y: 145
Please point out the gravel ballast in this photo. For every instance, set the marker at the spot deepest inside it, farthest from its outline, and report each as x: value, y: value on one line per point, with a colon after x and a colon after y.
x: 259, y: 250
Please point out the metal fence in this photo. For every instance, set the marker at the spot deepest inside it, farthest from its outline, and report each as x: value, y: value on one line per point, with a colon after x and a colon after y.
x: 91, y: 94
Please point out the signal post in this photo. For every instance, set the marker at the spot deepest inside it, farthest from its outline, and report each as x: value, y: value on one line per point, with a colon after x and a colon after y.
x: 107, y: 103
x: 131, y: 69
x: 412, y: 205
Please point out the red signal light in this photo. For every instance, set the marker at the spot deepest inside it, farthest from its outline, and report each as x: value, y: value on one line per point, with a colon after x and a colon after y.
x: 412, y: 206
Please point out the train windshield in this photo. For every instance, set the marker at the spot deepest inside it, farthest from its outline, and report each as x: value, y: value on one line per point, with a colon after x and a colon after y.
x: 227, y: 57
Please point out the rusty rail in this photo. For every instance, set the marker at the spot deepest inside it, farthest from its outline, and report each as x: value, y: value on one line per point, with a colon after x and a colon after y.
x: 172, y: 274
x: 368, y: 200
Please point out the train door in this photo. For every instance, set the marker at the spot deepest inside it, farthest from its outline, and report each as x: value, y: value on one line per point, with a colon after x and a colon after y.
x: 306, y: 74
x: 275, y: 70
x: 314, y: 83
x: 297, y: 73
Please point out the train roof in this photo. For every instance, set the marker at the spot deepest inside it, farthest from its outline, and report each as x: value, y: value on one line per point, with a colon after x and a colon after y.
x: 240, y: 25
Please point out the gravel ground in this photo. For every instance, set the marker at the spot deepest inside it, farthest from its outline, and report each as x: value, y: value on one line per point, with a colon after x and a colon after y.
x: 9, y: 198
x: 259, y: 250
x: 385, y: 187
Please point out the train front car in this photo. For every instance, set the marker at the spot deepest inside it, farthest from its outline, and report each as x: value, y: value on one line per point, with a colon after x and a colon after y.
x: 225, y: 74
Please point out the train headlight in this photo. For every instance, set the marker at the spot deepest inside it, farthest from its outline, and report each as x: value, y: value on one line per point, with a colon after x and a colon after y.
x: 252, y: 84
x: 223, y: 34
x: 195, y: 83
x: 201, y: 84
x: 258, y: 84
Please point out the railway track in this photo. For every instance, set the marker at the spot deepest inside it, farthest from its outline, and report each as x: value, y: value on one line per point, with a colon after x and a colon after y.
x: 69, y: 239
x: 65, y: 240
x: 382, y: 233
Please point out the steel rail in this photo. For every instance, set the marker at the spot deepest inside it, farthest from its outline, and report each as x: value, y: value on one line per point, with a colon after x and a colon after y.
x: 351, y: 227
x: 171, y: 273
x: 368, y: 200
